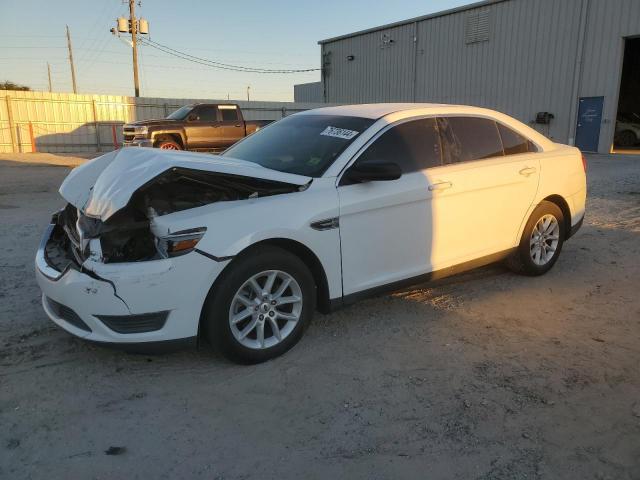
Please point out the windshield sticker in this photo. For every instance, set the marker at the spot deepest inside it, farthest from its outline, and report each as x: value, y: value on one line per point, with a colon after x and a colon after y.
x: 339, y: 133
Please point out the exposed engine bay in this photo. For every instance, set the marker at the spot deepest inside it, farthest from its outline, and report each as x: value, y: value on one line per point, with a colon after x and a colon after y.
x: 126, y: 236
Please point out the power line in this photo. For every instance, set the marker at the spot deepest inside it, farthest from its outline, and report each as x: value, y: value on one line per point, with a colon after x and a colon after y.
x: 91, y: 43
x: 39, y: 48
x: 219, y: 65
x: 35, y: 36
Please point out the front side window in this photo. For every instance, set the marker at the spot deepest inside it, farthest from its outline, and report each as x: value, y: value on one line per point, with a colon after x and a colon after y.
x: 413, y: 145
x: 469, y: 138
x: 304, y: 144
x: 206, y: 114
x: 181, y: 113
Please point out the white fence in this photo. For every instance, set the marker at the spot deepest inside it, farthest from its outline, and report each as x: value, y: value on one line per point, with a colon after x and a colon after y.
x: 64, y: 122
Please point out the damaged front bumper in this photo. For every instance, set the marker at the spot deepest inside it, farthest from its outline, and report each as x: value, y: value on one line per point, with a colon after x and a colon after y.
x: 137, y: 303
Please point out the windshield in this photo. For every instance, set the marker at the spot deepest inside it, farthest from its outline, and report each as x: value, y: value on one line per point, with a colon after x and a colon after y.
x: 301, y: 144
x: 181, y: 113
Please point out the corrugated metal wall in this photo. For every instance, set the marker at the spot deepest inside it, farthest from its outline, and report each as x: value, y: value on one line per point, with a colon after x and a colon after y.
x: 308, y: 92
x: 381, y: 69
x: 525, y: 67
x: 531, y: 62
x: 63, y: 122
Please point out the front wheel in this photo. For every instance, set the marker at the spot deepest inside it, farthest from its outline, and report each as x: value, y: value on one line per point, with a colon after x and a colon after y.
x: 541, y: 241
x: 261, y: 306
x: 167, y: 144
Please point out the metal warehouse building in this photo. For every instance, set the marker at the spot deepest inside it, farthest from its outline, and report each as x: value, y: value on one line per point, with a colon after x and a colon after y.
x: 554, y: 64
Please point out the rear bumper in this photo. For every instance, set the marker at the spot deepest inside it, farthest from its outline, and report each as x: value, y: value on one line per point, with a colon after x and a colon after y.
x: 575, y: 228
x: 577, y: 204
x: 99, y: 302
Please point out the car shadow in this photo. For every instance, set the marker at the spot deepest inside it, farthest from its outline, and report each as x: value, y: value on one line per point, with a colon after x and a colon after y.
x: 91, y: 136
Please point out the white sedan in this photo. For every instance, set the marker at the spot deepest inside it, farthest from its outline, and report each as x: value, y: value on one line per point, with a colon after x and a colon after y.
x: 311, y: 213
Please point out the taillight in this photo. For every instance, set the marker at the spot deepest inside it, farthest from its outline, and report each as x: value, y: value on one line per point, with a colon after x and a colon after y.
x: 584, y: 163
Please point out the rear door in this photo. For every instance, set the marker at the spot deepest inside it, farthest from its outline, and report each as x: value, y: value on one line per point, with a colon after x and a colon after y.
x: 483, y: 191
x: 202, y: 127
x: 231, y: 125
x: 386, y: 226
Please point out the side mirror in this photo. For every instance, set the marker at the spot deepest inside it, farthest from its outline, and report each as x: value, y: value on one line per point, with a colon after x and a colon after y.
x: 192, y: 117
x: 373, y: 172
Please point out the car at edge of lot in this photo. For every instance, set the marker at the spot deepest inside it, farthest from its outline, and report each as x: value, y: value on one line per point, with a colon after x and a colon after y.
x: 311, y: 213
x: 627, y: 132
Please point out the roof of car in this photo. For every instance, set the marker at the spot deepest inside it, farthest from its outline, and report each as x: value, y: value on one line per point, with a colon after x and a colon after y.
x: 392, y: 112
x: 219, y: 104
x: 372, y: 110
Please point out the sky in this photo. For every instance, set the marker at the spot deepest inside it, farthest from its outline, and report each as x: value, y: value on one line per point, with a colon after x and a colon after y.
x: 278, y: 34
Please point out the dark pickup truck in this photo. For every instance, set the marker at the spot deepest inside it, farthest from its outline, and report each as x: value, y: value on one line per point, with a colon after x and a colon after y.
x: 201, y: 126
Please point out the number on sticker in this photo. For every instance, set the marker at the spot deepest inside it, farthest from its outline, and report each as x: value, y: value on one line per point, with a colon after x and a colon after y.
x: 339, y: 133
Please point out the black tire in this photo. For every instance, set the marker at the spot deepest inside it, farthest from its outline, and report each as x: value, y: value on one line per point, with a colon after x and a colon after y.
x: 167, y: 144
x: 215, y: 319
x: 522, y: 261
x: 627, y: 138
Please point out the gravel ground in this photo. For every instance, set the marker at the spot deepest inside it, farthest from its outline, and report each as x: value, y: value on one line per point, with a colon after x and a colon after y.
x: 487, y: 375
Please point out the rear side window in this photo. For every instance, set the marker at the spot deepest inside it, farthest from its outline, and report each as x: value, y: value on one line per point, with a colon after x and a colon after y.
x: 413, y: 145
x: 228, y: 114
x: 513, y: 142
x: 469, y: 138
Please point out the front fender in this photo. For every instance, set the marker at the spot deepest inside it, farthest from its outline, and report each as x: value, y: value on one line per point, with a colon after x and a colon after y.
x: 180, y: 132
x: 234, y: 226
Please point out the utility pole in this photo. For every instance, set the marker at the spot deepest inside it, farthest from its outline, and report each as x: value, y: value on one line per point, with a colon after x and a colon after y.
x: 134, y: 44
x: 49, y: 73
x: 73, y: 70
x: 248, y: 88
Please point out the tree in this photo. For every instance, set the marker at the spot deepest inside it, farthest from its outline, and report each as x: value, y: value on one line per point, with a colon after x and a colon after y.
x: 6, y: 85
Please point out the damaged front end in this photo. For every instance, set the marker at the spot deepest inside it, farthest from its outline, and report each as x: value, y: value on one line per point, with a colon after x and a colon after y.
x: 128, y: 234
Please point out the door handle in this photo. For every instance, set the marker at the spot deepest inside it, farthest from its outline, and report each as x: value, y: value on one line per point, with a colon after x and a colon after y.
x: 527, y: 171
x: 238, y: 125
x: 440, y: 186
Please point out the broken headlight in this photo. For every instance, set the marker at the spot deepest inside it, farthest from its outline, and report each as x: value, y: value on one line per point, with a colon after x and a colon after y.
x: 180, y: 243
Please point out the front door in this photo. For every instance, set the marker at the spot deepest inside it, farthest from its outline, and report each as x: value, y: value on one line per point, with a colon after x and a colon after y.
x: 386, y: 226
x: 589, y: 121
x: 202, y: 127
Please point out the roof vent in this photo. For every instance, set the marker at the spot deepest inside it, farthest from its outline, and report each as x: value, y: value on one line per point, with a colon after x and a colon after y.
x: 477, y: 27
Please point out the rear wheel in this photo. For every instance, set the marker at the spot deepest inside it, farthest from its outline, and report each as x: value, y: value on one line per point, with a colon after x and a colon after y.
x: 541, y: 241
x: 166, y: 143
x: 260, y: 308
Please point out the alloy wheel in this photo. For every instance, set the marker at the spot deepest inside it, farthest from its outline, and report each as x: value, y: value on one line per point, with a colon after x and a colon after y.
x: 544, y: 240
x: 265, y: 309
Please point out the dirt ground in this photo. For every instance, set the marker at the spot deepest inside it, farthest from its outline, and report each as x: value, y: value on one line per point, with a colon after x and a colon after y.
x: 488, y: 375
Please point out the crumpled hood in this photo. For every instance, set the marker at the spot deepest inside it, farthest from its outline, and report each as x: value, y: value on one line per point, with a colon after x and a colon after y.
x: 104, y: 185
